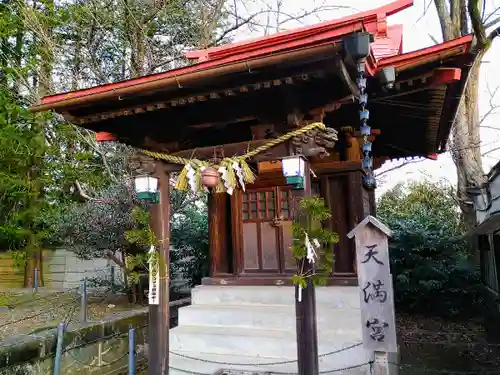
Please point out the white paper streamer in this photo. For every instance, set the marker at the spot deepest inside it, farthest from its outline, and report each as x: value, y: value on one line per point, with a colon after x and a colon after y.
x: 239, y: 173
x: 316, y: 243
x: 223, y: 171
x: 299, y: 295
x: 192, y: 178
x: 311, y: 249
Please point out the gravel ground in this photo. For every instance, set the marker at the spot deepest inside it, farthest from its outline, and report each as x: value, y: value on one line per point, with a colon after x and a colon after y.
x: 435, y: 347
x: 25, y: 312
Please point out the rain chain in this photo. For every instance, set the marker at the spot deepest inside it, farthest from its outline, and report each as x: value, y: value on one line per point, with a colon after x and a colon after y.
x: 364, y: 115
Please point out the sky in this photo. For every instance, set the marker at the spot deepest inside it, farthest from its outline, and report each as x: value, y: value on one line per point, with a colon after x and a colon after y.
x: 419, y: 22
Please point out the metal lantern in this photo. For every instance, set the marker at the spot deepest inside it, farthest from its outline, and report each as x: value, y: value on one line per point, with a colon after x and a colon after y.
x: 294, y: 169
x: 210, y: 177
x: 146, y: 188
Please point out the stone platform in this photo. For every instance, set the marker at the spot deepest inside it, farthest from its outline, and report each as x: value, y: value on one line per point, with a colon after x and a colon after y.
x: 249, y: 327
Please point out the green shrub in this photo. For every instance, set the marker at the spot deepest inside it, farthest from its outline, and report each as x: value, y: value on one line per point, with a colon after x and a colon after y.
x: 429, y: 259
x: 190, y: 239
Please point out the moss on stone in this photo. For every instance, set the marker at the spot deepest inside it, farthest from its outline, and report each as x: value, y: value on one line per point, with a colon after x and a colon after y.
x: 43, y: 344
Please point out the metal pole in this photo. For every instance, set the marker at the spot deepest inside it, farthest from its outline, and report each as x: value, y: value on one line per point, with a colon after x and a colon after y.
x: 131, y: 351
x: 35, y: 280
x: 84, y: 301
x: 59, y: 348
x: 305, y: 310
x: 112, y: 276
x: 159, y: 322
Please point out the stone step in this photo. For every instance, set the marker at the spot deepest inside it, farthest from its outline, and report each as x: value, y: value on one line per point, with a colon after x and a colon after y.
x: 251, y: 342
x: 182, y: 362
x: 341, y: 297
x: 337, y: 321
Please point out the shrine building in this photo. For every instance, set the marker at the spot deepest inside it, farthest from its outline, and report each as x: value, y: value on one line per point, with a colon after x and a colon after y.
x: 235, y: 98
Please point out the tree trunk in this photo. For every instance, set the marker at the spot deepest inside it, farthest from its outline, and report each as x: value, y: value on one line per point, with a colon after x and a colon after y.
x: 465, y: 132
x: 465, y: 147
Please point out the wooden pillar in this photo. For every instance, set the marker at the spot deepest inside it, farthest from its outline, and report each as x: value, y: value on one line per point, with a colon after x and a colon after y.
x: 217, y: 233
x: 237, y: 231
x: 159, y: 321
x: 356, y: 213
x: 305, y: 310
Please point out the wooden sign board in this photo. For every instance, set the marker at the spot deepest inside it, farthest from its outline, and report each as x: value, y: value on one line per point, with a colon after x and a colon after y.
x: 375, y: 284
x: 269, y: 166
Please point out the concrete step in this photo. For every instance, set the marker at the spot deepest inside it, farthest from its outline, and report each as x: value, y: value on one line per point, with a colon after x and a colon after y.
x: 341, y: 297
x: 182, y: 362
x: 251, y: 342
x: 337, y: 321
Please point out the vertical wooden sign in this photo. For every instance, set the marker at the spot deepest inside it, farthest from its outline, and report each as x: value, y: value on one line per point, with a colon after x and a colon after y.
x: 375, y: 284
x: 154, y: 276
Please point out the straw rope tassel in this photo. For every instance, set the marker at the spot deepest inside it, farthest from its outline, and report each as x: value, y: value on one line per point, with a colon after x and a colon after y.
x: 227, y: 163
x: 274, y: 142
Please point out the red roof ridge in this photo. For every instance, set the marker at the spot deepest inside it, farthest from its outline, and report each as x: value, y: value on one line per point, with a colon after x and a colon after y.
x: 390, y: 45
x: 399, y: 60
x: 379, y: 15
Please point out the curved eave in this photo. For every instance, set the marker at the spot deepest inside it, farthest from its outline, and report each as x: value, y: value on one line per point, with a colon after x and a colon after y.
x: 373, y: 21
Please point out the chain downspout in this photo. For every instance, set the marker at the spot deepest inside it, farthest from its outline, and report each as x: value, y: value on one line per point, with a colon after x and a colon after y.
x: 364, y: 115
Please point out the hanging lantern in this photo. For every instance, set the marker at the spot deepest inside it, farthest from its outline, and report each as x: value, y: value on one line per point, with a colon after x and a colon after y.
x: 294, y: 168
x: 146, y: 188
x: 210, y: 177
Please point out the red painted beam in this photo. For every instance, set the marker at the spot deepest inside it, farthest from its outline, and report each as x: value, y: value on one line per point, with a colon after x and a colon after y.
x: 442, y: 76
x: 104, y: 137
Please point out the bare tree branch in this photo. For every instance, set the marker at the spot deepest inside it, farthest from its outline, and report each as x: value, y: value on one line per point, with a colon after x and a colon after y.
x: 455, y: 12
x: 485, y: 19
x: 433, y: 39
x: 464, y: 19
x: 81, y: 192
x: 477, y: 24
x: 493, y: 35
x: 493, y: 106
x: 239, y: 22
x: 490, y: 151
x: 399, y: 166
x: 444, y: 18
x: 426, y: 9
x: 492, y: 22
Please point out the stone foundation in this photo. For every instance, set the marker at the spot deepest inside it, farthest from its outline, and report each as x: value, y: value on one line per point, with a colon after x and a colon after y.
x: 255, y: 325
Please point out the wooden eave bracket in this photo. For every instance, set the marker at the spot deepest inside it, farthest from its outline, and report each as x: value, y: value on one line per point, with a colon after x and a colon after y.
x: 442, y: 76
x: 344, y: 75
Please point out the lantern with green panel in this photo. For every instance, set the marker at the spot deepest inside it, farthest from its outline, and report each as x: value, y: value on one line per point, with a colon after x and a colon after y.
x: 146, y: 188
x: 294, y: 169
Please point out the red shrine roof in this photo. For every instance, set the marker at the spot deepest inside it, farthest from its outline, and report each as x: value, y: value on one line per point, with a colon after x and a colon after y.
x: 429, y: 81
x: 387, y: 46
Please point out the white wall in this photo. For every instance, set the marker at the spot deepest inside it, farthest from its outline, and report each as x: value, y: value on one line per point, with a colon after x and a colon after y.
x: 63, y: 270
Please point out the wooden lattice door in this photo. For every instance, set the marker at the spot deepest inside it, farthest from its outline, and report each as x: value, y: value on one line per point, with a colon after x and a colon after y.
x: 266, y: 230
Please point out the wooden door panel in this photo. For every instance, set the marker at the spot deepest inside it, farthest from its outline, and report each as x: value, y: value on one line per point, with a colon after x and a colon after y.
x: 269, y: 245
x: 250, y: 247
x: 287, y: 241
x: 260, y: 236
